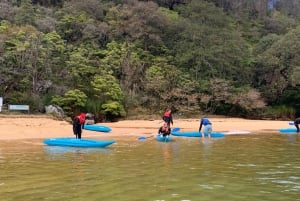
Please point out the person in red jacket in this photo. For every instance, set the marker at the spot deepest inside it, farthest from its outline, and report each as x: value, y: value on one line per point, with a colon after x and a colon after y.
x: 167, y: 117
x: 78, y: 124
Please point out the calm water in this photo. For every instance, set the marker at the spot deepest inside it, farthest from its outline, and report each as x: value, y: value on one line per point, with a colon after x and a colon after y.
x: 235, y: 168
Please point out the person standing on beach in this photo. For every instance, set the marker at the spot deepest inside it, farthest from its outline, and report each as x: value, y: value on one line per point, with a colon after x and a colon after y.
x: 167, y: 117
x: 78, y: 124
x: 296, y: 123
x: 207, y: 127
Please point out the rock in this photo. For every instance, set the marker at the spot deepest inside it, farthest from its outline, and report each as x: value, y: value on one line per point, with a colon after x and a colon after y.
x: 55, y: 110
x: 89, y: 118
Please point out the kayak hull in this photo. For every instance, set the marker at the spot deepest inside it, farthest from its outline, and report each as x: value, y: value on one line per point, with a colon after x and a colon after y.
x: 73, y: 142
x: 288, y: 130
x: 197, y: 134
x: 98, y: 128
x: 163, y: 139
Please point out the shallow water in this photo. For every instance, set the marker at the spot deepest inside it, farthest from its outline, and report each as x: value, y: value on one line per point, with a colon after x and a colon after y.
x: 234, y: 168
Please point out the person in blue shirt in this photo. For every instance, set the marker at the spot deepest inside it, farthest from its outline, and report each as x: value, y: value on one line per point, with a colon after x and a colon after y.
x: 296, y: 123
x: 207, y: 127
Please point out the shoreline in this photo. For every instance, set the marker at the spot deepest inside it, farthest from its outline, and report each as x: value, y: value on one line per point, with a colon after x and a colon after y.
x: 42, y: 127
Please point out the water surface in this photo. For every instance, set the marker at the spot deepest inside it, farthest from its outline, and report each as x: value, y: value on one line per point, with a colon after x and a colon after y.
x: 237, y: 167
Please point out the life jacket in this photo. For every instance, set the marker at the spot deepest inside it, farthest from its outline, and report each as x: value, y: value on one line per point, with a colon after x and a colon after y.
x: 81, y: 118
x: 167, y: 114
x: 164, y: 128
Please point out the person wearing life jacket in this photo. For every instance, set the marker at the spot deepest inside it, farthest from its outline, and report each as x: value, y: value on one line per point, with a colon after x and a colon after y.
x: 207, y: 127
x: 296, y: 123
x: 78, y: 124
x: 167, y: 117
x: 164, y: 130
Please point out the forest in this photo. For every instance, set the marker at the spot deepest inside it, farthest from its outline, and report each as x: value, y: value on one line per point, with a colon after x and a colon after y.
x: 120, y: 58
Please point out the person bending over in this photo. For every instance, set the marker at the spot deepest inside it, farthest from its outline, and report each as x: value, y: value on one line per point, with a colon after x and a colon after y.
x: 297, y: 122
x: 207, y: 127
x: 78, y: 124
x: 164, y: 130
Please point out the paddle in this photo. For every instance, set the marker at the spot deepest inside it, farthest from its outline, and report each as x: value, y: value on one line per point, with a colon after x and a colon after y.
x: 145, y: 138
x: 176, y: 129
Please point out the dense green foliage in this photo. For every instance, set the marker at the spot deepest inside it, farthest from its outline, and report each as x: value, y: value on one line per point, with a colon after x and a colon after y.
x: 123, y: 57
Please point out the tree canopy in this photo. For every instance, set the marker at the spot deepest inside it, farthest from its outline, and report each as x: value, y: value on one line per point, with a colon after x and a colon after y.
x: 114, y: 58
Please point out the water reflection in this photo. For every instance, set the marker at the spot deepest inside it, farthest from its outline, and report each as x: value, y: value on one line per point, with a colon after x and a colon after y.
x: 53, y: 150
x: 249, y: 167
x: 292, y: 138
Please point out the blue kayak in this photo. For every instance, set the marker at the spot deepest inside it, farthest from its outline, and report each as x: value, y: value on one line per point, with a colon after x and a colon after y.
x: 196, y: 134
x: 161, y: 138
x: 98, y: 128
x: 288, y: 130
x: 73, y: 142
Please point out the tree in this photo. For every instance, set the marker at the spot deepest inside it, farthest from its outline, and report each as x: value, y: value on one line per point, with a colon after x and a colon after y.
x: 106, y: 88
x: 81, y: 68
x: 70, y: 26
x: 137, y: 21
x: 8, y: 11
x: 72, y: 102
x: 113, y: 110
x: 289, y: 8
x: 55, y: 61
x: 208, y: 46
x: 94, y: 8
x: 33, y: 59
x: 222, y: 93
x: 109, y: 94
x: 251, y: 9
x: 25, y: 56
x: 25, y: 14
x: 278, y: 66
x: 167, y: 86
x: 48, y: 3
x: 171, y: 3
x: 128, y: 63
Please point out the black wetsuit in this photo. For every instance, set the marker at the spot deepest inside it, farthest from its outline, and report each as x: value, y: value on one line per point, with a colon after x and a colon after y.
x: 167, y: 117
x: 297, y: 122
x: 77, y: 127
x: 164, y: 132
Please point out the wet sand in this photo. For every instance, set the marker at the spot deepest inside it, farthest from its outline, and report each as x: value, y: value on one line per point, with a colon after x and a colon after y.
x: 41, y: 127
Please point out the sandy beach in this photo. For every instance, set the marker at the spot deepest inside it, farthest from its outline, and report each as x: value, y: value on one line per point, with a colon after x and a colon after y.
x: 41, y: 127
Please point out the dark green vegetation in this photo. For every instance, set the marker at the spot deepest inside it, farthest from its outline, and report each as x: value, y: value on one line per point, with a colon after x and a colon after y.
x: 126, y: 57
